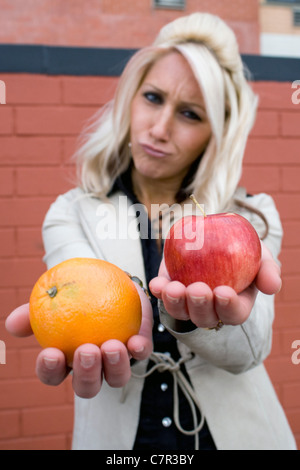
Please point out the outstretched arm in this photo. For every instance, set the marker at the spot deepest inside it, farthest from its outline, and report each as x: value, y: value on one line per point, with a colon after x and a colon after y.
x: 91, y: 363
x: 204, y: 307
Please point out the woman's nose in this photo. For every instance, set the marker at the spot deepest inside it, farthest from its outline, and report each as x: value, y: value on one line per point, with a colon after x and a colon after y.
x: 162, y: 125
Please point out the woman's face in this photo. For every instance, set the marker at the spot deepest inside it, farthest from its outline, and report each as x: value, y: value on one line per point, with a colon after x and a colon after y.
x: 169, y: 124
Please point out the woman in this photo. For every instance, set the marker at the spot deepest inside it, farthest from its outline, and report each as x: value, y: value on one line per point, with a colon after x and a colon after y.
x: 178, y: 124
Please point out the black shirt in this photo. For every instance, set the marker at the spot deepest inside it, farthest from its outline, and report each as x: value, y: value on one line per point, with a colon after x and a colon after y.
x: 157, y: 429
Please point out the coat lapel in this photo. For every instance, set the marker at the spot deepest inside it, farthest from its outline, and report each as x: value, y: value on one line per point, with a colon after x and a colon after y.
x: 111, y: 228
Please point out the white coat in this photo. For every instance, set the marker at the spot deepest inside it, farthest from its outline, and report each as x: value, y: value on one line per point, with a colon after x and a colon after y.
x: 232, y: 386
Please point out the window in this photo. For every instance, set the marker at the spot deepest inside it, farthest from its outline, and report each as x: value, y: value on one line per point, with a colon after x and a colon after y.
x: 296, y: 16
x: 291, y: 2
x: 173, y: 4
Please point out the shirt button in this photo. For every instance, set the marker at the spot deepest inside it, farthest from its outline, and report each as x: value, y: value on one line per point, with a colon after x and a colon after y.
x: 163, y: 387
x: 161, y: 328
x: 166, y: 422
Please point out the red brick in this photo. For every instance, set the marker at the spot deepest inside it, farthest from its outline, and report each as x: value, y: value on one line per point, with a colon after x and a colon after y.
x: 29, y: 393
x: 52, y: 120
x: 13, y: 342
x: 272, y: 151
x: 291, y: 231
x: 42, y: 181
x: 69, y: 147
x: 7, y: 301
x: 290, y: 259
x: 266, y: 124
x: 29, y: 241
x: 274, y: 95
x: 290, y: 340
x: 30, y: 150
x: 290, y: 289
x: 11, y: 368
x: 291, y: 394
x: 276, y: 344
x: 291, y: 178
x: 28, y: 358
x: 88, y: 90
x: 59, y: 442
x: 51, y: 420
x: 9, y: 424
x: 20, y: 272
x: 31, y: 89
x: 7, y: 242
x: 6, y: 181
x: 6, y: 119
x: 290, y: 124
x: 260, y: 179
x: 23, y: 294
x: 24, y: 212
x: 287, y: 315
x: 281, y: 369
x: 288, y: 205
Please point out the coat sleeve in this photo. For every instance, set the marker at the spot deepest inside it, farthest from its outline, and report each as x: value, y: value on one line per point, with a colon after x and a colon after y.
x: 238, y: 348
x: 62, y: 231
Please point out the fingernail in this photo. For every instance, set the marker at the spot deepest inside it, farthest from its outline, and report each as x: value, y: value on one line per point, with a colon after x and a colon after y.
x: 87, y: 360
x: 173, y: 300
x: 223, y: 301
x: 50, y: 363
x: 113, y: 357
x: 198, y: 300
x: 139, y: 350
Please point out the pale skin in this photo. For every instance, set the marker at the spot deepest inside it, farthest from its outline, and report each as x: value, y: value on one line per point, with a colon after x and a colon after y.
x: 169, y: 130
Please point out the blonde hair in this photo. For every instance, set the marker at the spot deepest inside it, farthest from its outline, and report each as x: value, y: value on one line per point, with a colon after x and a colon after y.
x: 210, y: 47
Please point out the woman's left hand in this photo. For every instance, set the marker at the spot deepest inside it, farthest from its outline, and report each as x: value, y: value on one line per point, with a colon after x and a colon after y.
x: 206, y: 307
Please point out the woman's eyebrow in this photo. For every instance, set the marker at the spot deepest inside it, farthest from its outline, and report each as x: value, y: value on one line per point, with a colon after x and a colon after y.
x: 184, y: 102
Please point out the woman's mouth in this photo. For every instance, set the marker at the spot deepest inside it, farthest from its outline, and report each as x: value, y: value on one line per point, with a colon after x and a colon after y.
x: 153, y: 151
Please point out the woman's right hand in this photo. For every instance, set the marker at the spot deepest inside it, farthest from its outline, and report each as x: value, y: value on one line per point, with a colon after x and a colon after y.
x: 90, y: 363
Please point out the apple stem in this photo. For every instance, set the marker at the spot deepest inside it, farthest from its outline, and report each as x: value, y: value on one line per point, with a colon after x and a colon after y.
x: 192, y: 197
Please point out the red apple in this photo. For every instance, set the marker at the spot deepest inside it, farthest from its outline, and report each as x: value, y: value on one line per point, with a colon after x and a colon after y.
x: 219, y: 249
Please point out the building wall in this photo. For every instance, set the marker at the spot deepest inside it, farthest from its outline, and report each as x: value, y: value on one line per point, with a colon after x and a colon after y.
x: 39, y: 126
x: 279, y: 35
x: 114, y: 23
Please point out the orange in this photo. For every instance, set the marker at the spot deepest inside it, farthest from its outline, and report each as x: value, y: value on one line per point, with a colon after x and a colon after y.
x: 84, y: 300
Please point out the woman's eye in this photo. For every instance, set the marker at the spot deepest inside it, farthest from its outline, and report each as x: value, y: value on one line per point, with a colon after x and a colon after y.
x: 191, y: 115
x: 153, y: 97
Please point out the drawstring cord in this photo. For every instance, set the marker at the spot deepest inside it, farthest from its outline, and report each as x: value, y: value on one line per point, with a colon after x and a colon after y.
x: 163, y: 363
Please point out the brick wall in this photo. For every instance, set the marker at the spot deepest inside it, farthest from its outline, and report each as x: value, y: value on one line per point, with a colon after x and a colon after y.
x: 39, y: 125
x: 134, y: 23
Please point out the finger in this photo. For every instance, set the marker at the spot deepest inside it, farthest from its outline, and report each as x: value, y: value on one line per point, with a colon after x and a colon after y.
x: 116, y: 363
x: 233, y: 308
x: 268, y: 279
x: 17, y: 323
x: 157, y: 285
x: 140, y: 347
x: 51, y: 366
x: 174, y: 300
x: 201, y: 305
x: 87, y: 371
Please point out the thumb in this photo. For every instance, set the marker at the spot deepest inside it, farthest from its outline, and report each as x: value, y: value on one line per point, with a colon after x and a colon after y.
x: 17, y: 323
